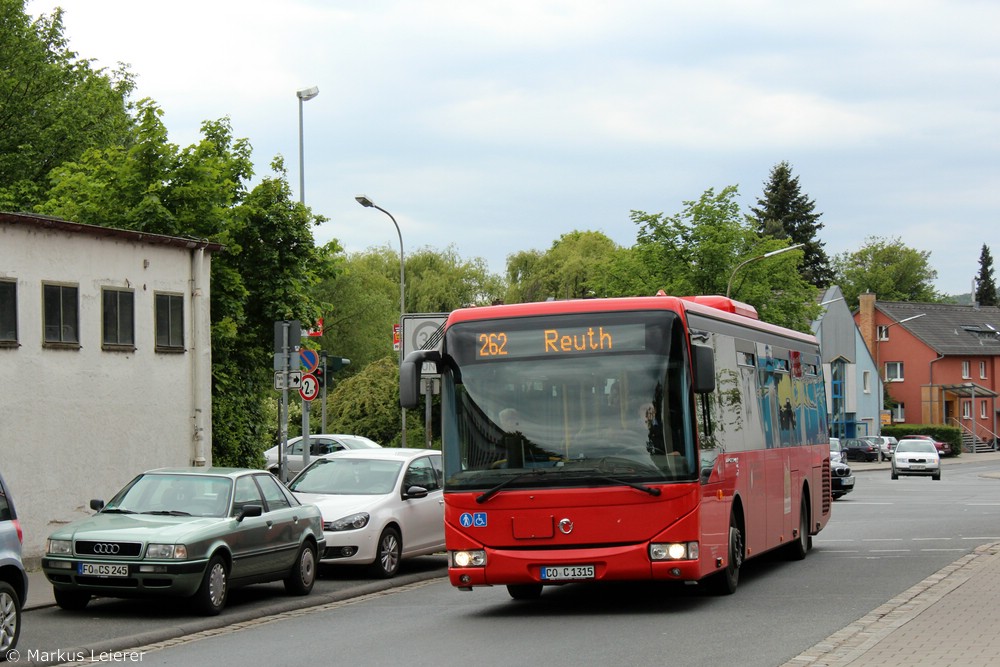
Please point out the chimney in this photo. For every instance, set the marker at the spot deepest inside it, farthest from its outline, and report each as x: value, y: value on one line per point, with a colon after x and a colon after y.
x: 866, y: 320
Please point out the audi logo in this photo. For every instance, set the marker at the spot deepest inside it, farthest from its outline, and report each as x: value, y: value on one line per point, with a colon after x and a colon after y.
x: 106, y: 548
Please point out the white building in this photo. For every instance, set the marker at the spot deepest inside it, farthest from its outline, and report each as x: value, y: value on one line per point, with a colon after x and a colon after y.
x: 105, y: 363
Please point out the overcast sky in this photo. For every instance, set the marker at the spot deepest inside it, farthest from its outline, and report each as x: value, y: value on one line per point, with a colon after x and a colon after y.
x: 497, y: 126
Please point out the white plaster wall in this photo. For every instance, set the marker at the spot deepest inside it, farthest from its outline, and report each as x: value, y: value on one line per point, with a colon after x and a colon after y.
x: 78, y: 424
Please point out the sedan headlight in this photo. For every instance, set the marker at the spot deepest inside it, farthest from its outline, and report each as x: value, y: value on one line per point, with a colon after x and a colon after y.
x: 59, y: 547
x: 166, y: 551
x: 352, y: 522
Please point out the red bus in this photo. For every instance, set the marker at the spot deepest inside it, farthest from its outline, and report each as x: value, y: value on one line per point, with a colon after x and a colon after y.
x: 645, y: 438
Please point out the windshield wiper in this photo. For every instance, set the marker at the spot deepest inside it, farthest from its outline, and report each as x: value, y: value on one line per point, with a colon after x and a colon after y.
x: 168, y: 512
x: 486, y: 495
x: 635, y: 485
x: 116, y: 510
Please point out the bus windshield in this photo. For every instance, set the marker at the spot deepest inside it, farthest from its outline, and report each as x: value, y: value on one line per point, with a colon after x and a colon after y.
x: 594, y: 399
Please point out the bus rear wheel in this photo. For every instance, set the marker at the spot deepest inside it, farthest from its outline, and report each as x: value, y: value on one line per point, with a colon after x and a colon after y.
x: 798, y: 549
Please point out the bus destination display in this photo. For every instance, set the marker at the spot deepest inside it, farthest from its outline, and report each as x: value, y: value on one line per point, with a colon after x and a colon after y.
x: 557, y: 341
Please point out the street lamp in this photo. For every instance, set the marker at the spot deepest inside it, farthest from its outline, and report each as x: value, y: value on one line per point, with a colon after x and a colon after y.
x: 878, y: 338
x: 757, y: 258
x: 368, y: 203
x: 304, y: 95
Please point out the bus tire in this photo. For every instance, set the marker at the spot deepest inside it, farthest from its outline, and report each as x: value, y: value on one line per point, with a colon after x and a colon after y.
x: 798, y: 549
x: 726, y: 581
x: 524, y: 591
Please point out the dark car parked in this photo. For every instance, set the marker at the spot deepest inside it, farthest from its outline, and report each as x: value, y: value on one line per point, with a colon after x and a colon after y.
x: 857, y: 449
x: 13, y: 579
x: 943, y: 448
x: 841, y: 479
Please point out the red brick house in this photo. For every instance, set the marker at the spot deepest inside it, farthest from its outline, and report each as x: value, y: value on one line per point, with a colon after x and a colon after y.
x: 940, y: 362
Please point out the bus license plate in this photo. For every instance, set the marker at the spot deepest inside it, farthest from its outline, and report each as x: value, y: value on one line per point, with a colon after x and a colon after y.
x: 103, y: 570
x: 564, y: 572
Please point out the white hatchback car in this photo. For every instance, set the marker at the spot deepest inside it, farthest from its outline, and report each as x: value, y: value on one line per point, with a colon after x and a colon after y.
x: 320, y: 444
x: 914, y: 456
x: 379, y: 505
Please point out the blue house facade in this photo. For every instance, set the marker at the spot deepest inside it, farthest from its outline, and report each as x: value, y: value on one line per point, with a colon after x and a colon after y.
x: 853, y: 384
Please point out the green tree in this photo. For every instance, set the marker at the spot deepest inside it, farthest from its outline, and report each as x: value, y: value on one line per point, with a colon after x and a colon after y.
x: 367, y: 404
x: 697, y: 251
x: 888, y: 269
x: 784, y: 212
x: 264, y: 273
x: 54, y: 106
x: 577, y: 266
x: 986, y: 288
x: 440, y: 281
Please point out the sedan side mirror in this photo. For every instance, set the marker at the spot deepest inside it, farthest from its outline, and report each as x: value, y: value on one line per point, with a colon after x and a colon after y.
x: 96, y: 504
x: 249, y: 510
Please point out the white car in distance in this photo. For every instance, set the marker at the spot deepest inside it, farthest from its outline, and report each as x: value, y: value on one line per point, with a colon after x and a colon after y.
x: 916, y: 457
x: 319, y: 445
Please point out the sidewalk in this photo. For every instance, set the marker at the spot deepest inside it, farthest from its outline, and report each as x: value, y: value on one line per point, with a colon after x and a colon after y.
x: 946, y: 619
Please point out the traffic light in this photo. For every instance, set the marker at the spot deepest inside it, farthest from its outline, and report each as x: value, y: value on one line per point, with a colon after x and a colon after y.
x: 320, y: 377
x: 334, y: 364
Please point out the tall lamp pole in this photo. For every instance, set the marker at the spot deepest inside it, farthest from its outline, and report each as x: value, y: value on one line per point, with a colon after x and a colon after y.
x: 304, y: 95
x: 368, y: 203
x: 739, y: 266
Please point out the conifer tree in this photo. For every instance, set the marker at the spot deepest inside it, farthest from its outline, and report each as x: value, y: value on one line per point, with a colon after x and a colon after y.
x: 785, y: 213
x: 986, y: 288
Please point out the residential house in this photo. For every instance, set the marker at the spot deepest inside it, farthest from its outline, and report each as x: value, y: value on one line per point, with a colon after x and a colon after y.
x: 105, y: 362
x: 940, y: 362
x: 853, y: 386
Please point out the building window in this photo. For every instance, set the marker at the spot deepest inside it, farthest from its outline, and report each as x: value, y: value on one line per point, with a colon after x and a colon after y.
x: 894, y: 371
x: 62, y: 314
x: 883, y: 332
x: 169, y: 322
x: 982, y: 370
x: 966, y: 409
x: 982, y: 409
x: 965, y: 370
x: 8, y: 311
x: 866, y: 381
x: 899, y: 413
x: 119, y: 318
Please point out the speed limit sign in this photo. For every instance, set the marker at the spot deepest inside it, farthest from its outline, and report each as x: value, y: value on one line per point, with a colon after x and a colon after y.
x: 310, y: 387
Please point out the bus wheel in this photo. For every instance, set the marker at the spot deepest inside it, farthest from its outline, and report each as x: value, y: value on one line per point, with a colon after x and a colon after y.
x: 798, y: 549
x: 524, y: 591
x: 726, y: 581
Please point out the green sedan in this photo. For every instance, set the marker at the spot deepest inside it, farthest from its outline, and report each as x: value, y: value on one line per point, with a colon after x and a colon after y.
x: 187, y: 532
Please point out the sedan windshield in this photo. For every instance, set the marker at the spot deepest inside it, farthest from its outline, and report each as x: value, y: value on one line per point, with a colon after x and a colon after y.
x: 177, y: 495
x: 343, y: 476
x: 919, y: 446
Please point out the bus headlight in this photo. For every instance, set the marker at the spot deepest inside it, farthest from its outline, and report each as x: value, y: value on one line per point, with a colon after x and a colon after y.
x: 474, y: 558
x: 673, y: 551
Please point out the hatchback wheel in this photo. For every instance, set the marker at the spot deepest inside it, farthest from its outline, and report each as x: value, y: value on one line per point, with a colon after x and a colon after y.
x: 390, y: 550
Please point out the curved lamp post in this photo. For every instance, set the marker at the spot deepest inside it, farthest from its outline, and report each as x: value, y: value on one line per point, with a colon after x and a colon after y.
x: 368, y: 203
x: 304, y: 95
x: 739, y: 266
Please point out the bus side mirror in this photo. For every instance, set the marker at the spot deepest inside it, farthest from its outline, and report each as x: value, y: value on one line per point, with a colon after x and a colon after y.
x: 409, y: 376
x: 704, y: 369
